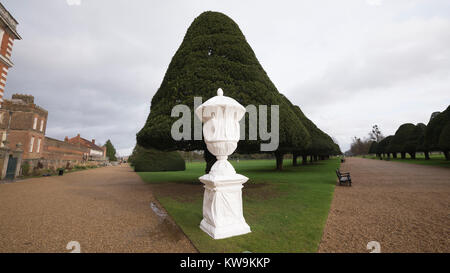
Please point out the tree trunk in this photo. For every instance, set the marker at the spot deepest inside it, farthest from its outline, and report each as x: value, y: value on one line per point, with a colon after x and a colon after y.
x: 304, y: 159
x: 413, y: 155
x: 279, y: 157
x: 388, y: 155
x: 447, y: 155
x: 427, y: 155
x: 403, y: 155
x: 210, y: 160
x: 316, y: 158
x: 294, y: 159
x: 394, y: 155
x: 311, y: 159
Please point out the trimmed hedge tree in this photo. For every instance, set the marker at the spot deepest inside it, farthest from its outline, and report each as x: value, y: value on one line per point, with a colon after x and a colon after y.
x: 321, y: 144
x: 152, y: 160
x: 437, y: 133
x: 382, y: 147
x: 215, y: 54
x: 407, y: 140
x: 373, y: 148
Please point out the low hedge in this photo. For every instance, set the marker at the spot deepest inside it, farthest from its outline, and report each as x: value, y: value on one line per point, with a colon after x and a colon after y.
x: 152, y: 160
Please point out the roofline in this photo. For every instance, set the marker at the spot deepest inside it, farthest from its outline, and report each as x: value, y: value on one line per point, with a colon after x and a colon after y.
x: 11, y: 28
x: 100, y: 148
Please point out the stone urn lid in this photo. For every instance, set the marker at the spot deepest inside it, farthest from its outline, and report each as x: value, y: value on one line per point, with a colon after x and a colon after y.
x: 220, y: 101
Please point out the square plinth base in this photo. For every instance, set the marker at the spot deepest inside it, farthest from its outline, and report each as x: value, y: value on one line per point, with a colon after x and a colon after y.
x: 224, y: 232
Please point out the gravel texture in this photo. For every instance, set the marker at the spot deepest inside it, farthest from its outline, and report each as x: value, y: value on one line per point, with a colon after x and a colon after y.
x: 404, y: 207
x: 105, y: 210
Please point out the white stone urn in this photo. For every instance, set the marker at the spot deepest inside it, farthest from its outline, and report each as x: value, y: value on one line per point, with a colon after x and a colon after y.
x: 222, y: 201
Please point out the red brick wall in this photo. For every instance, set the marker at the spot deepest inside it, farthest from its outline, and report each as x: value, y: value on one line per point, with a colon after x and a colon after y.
x: 5, y: 50
x: 60, y: 150
x: 18, y: 120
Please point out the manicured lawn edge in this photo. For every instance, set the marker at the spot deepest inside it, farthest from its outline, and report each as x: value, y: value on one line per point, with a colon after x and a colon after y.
x: 286, y: 210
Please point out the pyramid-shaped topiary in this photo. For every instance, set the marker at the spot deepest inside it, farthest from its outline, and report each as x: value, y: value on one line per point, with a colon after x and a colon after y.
x: 215, y: 54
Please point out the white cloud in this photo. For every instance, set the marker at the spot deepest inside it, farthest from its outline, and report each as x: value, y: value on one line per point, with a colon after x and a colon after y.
x: 374, y: 2
x: 73, y: 2
x: 347, y: 65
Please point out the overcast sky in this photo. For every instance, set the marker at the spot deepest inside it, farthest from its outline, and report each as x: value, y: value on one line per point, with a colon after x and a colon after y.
x: 347, y: 64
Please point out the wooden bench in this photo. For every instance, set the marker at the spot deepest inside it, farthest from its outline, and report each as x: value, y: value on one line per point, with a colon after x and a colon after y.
x: 344, y: 178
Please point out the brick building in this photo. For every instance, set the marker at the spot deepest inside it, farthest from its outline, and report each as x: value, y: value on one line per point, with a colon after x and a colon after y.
x: 8, y: 34
x: 55, y: 149
x: 22, y: 121
x: 22, y: 130
x: 94, y: 152
x: 23, y: 125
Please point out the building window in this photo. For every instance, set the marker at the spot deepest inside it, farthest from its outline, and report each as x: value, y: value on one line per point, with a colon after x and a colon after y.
x: 3, y: 139
x: 1, y: 35
x: 31, y: 144
x: 42, y: 125
x: 38, y: 145
x: 35, y: 123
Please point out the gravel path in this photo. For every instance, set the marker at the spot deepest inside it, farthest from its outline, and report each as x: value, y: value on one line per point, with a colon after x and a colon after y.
x: 402, y: 206
x: 105, y: 210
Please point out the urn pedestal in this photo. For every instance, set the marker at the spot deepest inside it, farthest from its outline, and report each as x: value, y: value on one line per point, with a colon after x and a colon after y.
x: 222, y: 206
x: 222, y: 201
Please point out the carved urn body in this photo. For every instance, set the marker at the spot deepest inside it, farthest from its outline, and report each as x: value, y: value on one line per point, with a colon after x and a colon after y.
x: 222, y: 200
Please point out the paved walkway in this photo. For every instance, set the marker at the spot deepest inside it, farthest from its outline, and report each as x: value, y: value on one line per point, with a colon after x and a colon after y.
x: 405, y: 207
x: 105, y: 210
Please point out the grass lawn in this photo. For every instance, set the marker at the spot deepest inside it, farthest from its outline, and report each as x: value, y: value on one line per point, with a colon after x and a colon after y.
x: 286, y: 210
x: 435, y: 160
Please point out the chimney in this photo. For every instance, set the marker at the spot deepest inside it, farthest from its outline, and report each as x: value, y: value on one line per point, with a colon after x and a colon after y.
x: 93, y: 141
x: 66, y: 139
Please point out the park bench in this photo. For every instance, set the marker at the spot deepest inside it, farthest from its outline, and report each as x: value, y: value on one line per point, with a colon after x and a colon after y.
x: 344, y: 178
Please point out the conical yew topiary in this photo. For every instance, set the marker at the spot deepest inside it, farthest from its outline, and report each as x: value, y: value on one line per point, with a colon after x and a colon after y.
x: 215, y: 54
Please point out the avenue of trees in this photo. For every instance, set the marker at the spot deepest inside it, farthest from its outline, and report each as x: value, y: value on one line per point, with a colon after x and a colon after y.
x: 215, y: 54
x: 410, y: 138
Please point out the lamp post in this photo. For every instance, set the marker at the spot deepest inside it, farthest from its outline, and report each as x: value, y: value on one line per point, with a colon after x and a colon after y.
x: 222, y: 200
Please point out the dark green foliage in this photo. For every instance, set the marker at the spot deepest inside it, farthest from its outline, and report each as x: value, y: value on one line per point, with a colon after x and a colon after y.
x: 444, y: 138
x: 382, y: 147
x: 320, y: 143
x: 373, y: 147
x: 407, y: 139
x: 110, y: 151
x: 214, y: 53
x: 437, y: 132
x: 421, y: 147
x: 151, y: 160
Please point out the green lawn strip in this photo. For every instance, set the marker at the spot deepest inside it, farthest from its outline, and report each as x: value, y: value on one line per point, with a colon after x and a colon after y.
x: 286, y: 210
x: 435, y: 160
